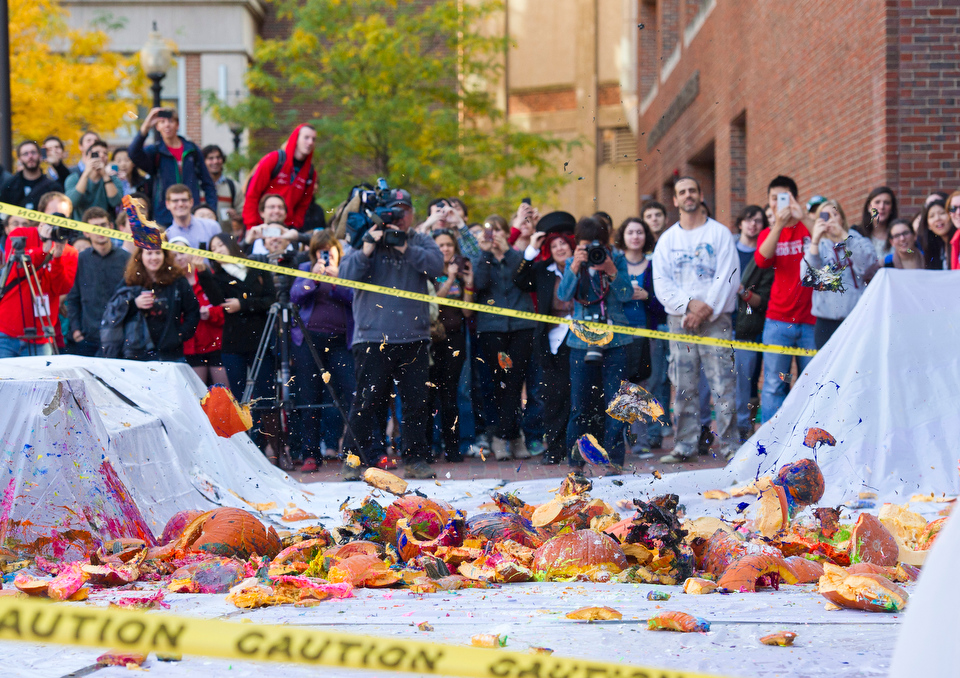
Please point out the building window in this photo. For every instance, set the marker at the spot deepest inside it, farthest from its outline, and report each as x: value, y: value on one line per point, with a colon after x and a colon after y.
x: 617, y: 145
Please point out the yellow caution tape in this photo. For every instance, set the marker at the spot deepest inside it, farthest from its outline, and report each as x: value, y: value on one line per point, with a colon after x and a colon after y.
x: 403, y: 294
x: 37, y: 621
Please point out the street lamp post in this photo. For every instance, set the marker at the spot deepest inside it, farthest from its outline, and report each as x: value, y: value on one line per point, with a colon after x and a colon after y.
x: 6, y: 111
x: 155, y: 59
x: 237, y: 131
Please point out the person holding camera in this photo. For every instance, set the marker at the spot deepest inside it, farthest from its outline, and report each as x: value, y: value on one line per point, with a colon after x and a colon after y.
x: 505, y: 343
x: 449, y: 351
x: 26, y: 187
x: 153, y: 313
x: 596, y: 280
x: 544, y: 262
x: 391, y: 337
x: 696, y: 275
x: 850, y: 254
x: 327, y: 314
x: 94, y: 185
x: 171, y: 161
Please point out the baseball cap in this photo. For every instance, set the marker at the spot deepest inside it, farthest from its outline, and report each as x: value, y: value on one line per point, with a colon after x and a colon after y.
x: 399, y: 196
x: 815, y: 202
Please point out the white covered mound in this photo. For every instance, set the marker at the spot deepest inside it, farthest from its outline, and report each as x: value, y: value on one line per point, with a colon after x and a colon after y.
x: 108, y: 448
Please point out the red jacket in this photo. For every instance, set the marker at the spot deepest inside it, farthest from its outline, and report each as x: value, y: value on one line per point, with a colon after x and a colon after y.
x: 55, y: 278
x: 790, y: 302
x: 297, y: 190
x: 209, y: 334
x: 955, y: 251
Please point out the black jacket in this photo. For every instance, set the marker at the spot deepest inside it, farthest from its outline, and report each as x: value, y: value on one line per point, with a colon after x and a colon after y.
x: 533, y: 276
x: 759, y: 281
x: 172, y: 320
x: 13, y: 191
x: 242, y: 330
x: 97, y: 279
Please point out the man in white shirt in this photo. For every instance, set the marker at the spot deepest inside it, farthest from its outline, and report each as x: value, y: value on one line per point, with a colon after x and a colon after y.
x: 696, y: 274
x: 179, y: 200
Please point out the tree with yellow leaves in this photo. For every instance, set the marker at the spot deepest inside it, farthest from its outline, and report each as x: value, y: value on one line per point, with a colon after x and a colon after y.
x: 64, y: 81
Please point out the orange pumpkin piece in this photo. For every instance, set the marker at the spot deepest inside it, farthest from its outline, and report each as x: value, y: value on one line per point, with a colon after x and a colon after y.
x: 868, y: 592
x: 698, y: 587
x: 230, y: 532
x: 677, y: 621
x: 871, y: 542
x: 68, y: 582
x: 31, y: 585
x: 583, y: 554
x: 930, y: 534
x: 426, y: 516
x: 807, y: 571
x: 817, y: 436
x: 870, y: 568
x: 781, y: 638
x: 595, y: 614
x: 724, y: 548
x: 362, y: 570
x: 746, y: 573
x: 226, y: 415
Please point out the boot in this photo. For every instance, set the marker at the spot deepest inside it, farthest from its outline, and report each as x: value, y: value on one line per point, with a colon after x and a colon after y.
x: 519, y: 448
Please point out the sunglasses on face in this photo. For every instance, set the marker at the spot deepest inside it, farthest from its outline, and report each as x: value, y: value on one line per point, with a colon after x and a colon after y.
x: 954, y: 208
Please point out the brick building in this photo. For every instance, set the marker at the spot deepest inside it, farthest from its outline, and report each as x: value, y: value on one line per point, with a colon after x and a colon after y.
x: 843, y: 96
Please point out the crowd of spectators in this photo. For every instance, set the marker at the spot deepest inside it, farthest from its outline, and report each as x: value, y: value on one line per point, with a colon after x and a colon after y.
x: 380, y: 377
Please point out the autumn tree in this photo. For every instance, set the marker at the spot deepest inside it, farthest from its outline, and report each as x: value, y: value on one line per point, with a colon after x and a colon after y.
x: 63, y: 80
x: 399, y: 89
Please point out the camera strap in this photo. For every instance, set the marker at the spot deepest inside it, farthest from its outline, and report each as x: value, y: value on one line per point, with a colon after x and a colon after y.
x: 12, y: 285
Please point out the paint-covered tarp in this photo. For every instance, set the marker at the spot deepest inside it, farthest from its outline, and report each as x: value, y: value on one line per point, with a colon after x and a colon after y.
x: 94, y: 449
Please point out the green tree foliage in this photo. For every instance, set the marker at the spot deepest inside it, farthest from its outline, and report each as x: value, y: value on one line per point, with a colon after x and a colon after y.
x: 400, y: 89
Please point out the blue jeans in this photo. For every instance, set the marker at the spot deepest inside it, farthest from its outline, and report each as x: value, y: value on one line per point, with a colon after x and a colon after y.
x: 659, y: 385
x: 746, y: 365
x: 591, y: 382
x: 775, y: 389
x: 11, y: 347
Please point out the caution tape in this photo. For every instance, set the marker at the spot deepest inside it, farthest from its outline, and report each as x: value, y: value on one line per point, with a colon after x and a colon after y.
x: 404, y: 294
x: 37, y: 621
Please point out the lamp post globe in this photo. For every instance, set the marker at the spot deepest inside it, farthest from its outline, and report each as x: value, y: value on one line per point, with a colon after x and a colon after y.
x: 155, y: 59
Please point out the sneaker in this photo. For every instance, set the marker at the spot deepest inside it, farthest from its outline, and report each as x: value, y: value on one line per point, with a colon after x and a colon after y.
x: 675, y: 458
x: 418, y: 470
x: 536, y: 447
x: 519, y: 449
x: 385, y: 463
x: 501, y: 451
x: 351, y: 473
x: 309, y: 465
x: 705, y: 441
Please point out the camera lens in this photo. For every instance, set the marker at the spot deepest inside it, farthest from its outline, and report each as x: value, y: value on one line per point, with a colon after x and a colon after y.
x: 596, y: 253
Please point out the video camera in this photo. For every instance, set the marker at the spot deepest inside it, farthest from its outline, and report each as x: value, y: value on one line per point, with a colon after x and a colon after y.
x: 374, y: 211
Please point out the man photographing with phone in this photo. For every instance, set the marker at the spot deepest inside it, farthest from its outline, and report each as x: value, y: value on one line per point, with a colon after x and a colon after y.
x: 171, y: 160
x: 94, y: 185
x: 391, y: 339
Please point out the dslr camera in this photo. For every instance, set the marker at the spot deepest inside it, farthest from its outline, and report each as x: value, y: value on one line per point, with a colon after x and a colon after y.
x: 58, y: 234
x: 596, y: 253
x: 374, y: 211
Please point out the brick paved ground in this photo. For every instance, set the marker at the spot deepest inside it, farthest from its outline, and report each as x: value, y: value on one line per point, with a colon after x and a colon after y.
x: 472, y: 468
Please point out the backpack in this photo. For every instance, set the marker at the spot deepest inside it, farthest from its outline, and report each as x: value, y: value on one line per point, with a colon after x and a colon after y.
x: 282, y: 158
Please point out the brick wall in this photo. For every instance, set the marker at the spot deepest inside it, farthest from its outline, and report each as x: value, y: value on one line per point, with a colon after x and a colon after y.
x: 194, y: 109
x: 649, y: 66
x: 842, y: 96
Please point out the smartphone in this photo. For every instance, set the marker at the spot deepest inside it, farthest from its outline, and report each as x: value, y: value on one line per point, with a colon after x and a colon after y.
x: 204, y: 246
x: 526, y: 201
x: 114, y: 168
x: 488, y: 232
x: 325, y: 255
x: 165, y: 113
x: 272, y: 232
x: 783, y: 200
x: 825, y: 216
x: 43, y: 153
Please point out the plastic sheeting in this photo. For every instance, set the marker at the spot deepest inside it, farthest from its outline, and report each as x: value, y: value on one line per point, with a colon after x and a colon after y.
x: 98, y: 448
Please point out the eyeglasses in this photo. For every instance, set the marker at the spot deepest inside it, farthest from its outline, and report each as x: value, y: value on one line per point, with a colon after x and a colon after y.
x: 902, y: 234
x: 177, y: 201
x: 954, y: 208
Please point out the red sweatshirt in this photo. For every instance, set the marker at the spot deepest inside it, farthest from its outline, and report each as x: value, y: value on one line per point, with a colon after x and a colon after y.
x: 209, y: 334
x: 55, y: 278
x: 296, y: 189
x: 790, y: 302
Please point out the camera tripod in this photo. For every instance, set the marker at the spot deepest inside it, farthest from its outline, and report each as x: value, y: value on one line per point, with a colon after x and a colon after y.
x: 281, y: 316
x: 39, y: 302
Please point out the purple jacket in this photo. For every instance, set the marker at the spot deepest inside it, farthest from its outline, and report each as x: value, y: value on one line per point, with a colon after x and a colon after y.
x: 333, y: 301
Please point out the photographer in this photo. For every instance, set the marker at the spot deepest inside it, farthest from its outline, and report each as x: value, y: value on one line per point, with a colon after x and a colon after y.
x: 327, y: 314
x: 273, y: 212
x: 596, y: 280
x: 391, y: 336
x: 94, y: 186
x: 505, y: 343
x: 21, y: 330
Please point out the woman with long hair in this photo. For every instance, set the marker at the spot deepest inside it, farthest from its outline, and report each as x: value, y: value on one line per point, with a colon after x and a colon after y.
x: 540, y: 272
x: 450, y: 352
x: 327, y: 314
x: 953, y: 209
x: 131, y: 179
x: 934, y: 235
x: 879, y: 211
x: 851, y: 258
x: 903, y: 242
x: 202, y: 351
x: 505, y: 343
x: 155, y: 288
x: 635, y: 239
x: 248, y: 294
